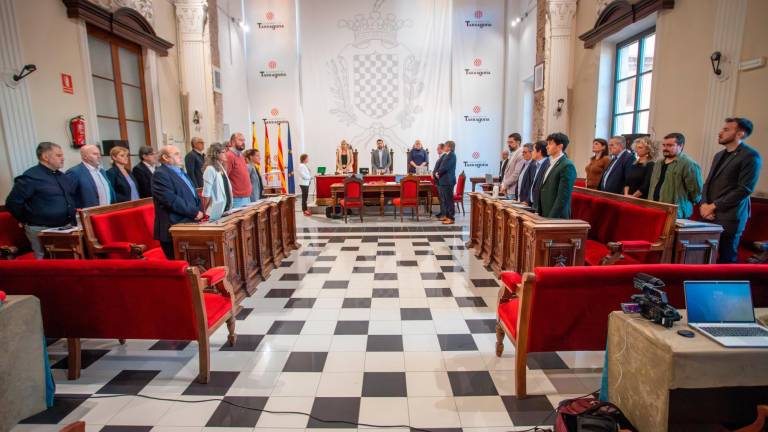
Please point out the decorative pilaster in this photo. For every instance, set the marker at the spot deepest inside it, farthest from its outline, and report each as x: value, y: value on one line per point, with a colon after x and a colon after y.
x: 538, y: 97
x: 560, y: 15
x: 194, y: 58
x: 218, y: 100
x: 728, y: 34
x: 15, y: 104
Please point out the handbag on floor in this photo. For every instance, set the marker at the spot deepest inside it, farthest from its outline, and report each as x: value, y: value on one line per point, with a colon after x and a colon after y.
x: 588, y: 414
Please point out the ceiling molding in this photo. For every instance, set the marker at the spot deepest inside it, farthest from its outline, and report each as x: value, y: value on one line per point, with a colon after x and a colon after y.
x: 619, y: 14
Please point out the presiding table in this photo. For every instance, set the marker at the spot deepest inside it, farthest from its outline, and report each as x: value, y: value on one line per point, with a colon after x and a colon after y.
x: 663, y: 381
x: 382, y: 189
x: 475, y: 180
x: 22, y: 362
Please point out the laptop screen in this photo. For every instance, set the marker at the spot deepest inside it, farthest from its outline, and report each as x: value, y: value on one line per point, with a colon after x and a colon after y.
x: 719, y: 302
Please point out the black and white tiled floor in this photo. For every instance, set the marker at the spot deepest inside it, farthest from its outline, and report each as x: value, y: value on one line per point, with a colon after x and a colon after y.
x: 383, y: 323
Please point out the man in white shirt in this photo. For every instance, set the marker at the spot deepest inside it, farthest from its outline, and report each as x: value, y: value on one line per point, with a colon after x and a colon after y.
x: 514, y: 167
x: 91, y: 185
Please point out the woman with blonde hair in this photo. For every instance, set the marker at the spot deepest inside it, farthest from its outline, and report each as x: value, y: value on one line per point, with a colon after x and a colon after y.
x: 217, y: 189
x: 344, y: 159
x: 639, y: 175
x: 122, y: 180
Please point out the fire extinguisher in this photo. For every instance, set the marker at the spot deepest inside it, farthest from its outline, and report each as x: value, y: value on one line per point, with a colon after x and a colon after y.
x: 77, y: 131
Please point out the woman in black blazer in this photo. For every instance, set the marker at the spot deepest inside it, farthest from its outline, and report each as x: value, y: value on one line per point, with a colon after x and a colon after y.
x: 122, y: 181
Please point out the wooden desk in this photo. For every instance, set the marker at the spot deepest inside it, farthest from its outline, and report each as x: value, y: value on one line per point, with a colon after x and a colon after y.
x: 662, y: 381
x: 383, y: 189
x: 480, y: 180
x: 696, y: 242
x: 63, y: 245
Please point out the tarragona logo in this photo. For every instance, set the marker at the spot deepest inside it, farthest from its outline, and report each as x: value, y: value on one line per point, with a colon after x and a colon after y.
x: 274, y: 112
x: 478, y: 20
x: 270, y: 23
x: 272, y: 64
x: 478, y: 62
x: 476, y: 117
x: 475, y: 155
x: 272, y: 71
x: 478, y: 14
x: 476, y: 69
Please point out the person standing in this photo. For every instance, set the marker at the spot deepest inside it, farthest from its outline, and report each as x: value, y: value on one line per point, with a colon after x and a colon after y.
x: 237, y: 170
x: 253, y: 156
x: 305, y: 177
x: 597, y: 163
x: 731, y: 181
x: 91, y: 185
x: 418, y: 159
x: 120, y: 178
x: 527, y: 155
x: 559, y: 177
x: 194, y: 161
x: 380, y: 160
x: 542, y: 162
x: 676, y: 179
x: 217, y: 190
x: 446, y: 180
x: 503, y: 164
x: 440, y: 153
x: 43, y: 196
x: 639, y: 174
x: 143, y: 171
x: 615, y: 176
x: 175, y: 197
x: 515, y: 165
x: 345, y: 163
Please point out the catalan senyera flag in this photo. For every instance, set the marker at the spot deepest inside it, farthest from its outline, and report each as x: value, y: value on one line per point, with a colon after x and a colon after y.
x: 267, y: 163
x: 291, y: 183
x: 255, y: 143
x: 280, y: 165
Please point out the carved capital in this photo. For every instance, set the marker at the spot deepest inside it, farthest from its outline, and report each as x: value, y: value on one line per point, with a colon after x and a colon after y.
x: 560, y: 14
x: 191, y: 16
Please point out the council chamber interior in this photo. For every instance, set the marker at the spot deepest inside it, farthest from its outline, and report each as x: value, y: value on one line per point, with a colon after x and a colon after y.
x: 422, y: 215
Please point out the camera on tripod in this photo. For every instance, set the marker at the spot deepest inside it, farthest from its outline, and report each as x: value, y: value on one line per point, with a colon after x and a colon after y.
x: 653, y: 302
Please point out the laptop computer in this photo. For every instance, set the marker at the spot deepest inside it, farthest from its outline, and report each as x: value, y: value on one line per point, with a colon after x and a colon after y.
x: 723, y: 311
x: 321, y: 170
x: 398, y: 178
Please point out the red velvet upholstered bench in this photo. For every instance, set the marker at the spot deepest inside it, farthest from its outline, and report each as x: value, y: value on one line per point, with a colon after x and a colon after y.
x: 13, y: 240
x: 753, y: 246
x: 624, y: 230
x: 121, y: 231
x: 123, y: 299
x: 567, y: 308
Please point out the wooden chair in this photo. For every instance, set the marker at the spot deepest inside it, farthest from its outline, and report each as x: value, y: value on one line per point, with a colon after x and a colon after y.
x: 353, y: 196
x: 409, y: 196
x: 458, y: 196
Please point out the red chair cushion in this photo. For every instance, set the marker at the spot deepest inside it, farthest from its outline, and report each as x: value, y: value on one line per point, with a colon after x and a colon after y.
x: 511, y: 279
x: 214, y: 275
x: 155, y: 254
x: 353, y: 189
x: 11, y: 234
x: 132, y: 225
x: 595, y: 251
x: 345, y: 203
x: 508, y: 313
x: 216, y: 306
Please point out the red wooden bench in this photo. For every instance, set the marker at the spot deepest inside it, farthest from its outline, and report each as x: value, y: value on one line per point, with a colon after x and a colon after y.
x: 567, y: 308
x: 123, y: 299
x: 13, y: 240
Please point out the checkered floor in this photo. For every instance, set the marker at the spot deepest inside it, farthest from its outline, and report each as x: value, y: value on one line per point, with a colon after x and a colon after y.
x: 383, y: 323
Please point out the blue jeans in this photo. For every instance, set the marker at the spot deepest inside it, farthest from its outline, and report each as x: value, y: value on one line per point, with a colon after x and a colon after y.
x: 240, y: 201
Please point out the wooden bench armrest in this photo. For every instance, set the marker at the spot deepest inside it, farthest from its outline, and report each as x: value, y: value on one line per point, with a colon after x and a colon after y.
x: 617, y: 249
x: 133, y: 250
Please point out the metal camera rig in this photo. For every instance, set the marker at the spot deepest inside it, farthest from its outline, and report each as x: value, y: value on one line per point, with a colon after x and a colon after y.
x: 653, y: 302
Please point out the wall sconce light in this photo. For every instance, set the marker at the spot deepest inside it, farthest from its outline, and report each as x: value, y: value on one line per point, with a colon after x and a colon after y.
x: 715, y: 58
x: 25, y: 71
x: 560, y: 103
x: 196, y: 117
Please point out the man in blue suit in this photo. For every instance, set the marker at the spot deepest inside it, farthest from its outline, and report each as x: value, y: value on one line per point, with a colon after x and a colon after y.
x: 90, y: 180
x: 176, y: 200
x: 446, y: 180
x: 615, y: 175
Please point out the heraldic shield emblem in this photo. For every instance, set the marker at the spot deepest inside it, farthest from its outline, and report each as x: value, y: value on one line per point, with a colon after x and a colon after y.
x: 376, y: 79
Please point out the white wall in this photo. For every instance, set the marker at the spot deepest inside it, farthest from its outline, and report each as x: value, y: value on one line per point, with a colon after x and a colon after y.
x: 232, y: 65
x: 521, y: 58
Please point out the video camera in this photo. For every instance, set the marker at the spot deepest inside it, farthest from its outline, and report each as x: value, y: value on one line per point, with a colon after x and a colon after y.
x: 653, y: 302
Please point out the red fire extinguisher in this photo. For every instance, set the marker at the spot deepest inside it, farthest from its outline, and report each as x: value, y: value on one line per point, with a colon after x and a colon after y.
x: 77, y: 131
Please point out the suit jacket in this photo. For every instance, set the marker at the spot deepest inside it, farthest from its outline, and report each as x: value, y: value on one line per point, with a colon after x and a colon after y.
x: 731, y: 186
x: 437, y: 165
x: 503, y: 167
x: 383, y: 163
x: 555, y: 193
x: 85, y: 193
x: 447, y: 170
x: 194, y: 162
x: 143, y: 177
x: 512, y: 172
x: 538, y: 179
x: 258, y: 185
x: 615, y: 174
x: 174, y: 202
x: 525, y: 183
x: 120, y: 184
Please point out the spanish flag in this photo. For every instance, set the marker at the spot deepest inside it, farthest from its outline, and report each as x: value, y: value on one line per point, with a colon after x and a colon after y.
x: 267, y: 162
x: 280, y: 165
x: 255, y: 143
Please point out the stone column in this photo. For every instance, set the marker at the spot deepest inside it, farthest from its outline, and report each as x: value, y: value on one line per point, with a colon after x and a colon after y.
x: 560, y: 15
x: 195, y: 65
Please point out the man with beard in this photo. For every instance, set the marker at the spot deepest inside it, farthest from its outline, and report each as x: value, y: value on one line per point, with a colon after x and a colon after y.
x: 731, y: 180
x: 514, y: 167
x: 676, y: 179
x: 237, y: 171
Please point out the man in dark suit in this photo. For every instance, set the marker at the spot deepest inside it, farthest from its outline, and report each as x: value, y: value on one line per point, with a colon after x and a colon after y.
x: 615, y: 175
x: 440, y: 153
x: 503, y: 163
x: 175, y: 197
x: 555, y: 195
x: 531, y: 181
x: 143, y: 171
x: 731, y: 180
x: 42, y: 197
x: 194, y: 161
x: 92, y: 188
x: 446, y: 180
